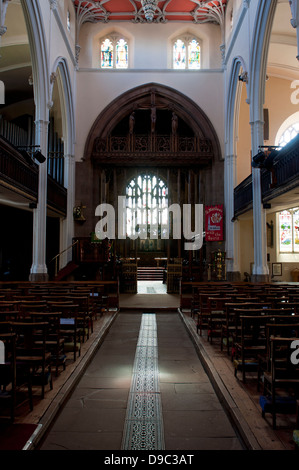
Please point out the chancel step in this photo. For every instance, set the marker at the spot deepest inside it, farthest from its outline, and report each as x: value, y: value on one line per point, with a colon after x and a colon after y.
x: 150, y: 273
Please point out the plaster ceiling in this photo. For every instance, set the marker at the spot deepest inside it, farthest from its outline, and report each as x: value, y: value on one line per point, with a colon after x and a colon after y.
x: 166, y: 10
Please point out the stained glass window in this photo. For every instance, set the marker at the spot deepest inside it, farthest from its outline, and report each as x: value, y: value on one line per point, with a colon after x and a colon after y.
x: 194, y: 54
x: 107, y: 54
x: 289, y: 231
x: 121, y: 54
x: 179, y: 55
x: 186, y: 53
x: 147, y: 202
x: 114, y: 53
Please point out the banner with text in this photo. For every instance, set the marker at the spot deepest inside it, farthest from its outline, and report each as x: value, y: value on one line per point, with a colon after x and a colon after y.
x: 214, y: 223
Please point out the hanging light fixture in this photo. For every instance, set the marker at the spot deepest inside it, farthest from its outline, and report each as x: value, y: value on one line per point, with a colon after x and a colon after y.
x: 149, y: 8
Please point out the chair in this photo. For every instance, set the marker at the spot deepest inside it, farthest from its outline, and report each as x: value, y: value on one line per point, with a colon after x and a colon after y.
x: 13, y: 376
x: 250, y: 344
x: 217, y: 316
x: 296, y: 430
x: 8, y: 370
x: 204, y: 310
x: 31, y: 352
x: 54, y: 340
x: 280, y: 327
x: 281, y: 383
x: 69, y: 328
x: 85, y: 317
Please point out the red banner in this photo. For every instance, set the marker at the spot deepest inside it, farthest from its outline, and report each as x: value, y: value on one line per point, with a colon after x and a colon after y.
x: 214, y: 223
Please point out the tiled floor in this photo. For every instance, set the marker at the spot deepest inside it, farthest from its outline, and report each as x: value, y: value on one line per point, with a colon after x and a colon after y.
x: 192, y: 416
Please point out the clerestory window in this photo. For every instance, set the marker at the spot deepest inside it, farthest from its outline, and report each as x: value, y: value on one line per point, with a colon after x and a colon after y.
x: 114, y: 53
x: 186, y: 53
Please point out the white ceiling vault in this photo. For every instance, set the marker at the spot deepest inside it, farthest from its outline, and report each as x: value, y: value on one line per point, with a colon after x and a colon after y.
x: 163, y: 11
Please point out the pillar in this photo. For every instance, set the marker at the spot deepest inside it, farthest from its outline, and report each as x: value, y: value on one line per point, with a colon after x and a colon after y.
x: 232, y: 225
x: 39, y: 271
x: 260, y: 271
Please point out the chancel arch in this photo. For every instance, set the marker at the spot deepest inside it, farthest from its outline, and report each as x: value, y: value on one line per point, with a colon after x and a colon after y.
x: 155, y: 131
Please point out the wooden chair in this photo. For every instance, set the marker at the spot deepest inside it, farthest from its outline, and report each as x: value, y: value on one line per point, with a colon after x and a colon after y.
x: 280, y: 327
x: 296, y: 430
x: 203, y: 313
x: 85, y: 312
x: 69, y: 327
x: 8, y: 382
x: 217, y: 316
x: 281, y: 384
x: 31, y: 355
x: 251, y: 343
x: 54, y: 340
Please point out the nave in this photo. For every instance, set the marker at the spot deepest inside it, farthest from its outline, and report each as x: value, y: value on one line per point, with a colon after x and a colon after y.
x: 166, y: 391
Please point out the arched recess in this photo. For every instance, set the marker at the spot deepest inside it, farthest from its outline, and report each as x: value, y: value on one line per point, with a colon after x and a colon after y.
x: 193, y: 173
x: 40, y: 73
x: 257, y: 80
x: 61, y: 77
x: 147, y: 96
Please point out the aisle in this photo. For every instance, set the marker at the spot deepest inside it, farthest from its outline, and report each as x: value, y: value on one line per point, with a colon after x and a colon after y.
x: 188, y: 415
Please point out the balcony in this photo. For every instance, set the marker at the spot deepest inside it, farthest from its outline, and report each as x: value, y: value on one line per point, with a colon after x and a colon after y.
x: 18, y: 172
x: 282, y: 178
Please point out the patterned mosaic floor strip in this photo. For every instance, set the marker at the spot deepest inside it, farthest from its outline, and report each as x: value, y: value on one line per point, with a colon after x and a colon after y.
x: 144, y: 425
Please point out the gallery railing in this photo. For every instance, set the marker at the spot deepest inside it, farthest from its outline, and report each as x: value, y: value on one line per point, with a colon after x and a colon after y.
x: 280, y: 178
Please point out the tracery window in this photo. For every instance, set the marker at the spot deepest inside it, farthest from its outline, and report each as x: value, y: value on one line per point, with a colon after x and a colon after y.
x: 147, y: 202
x: 289, y: 231
x: 186, y: 53
x: 289, y: 134
x: 114, y: 53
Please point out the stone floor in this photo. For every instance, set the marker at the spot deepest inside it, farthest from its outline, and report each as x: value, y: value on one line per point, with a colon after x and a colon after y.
x: 151, y: 287
x: 191, y: 370
x: 192, y: 415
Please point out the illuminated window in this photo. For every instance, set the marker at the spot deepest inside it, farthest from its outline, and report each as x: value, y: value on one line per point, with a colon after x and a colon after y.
x: 68, y: 21
x: 289, y: 134
x: 187, y: 53
x: 147, y: 202
x: 114, y: 53
x: 289, y: 231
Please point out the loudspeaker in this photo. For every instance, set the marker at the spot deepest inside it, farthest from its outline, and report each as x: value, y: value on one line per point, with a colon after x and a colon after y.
x: 39, y: 156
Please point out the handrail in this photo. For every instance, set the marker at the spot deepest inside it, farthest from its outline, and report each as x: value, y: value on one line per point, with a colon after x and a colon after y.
x: 63, y: 251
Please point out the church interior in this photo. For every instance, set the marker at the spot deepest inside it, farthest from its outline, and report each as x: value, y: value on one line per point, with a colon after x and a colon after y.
x: 149, y: 164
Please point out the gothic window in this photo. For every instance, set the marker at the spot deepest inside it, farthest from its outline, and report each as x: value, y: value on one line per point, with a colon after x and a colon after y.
x: 186, y: 53
x: 289, y: 231
x: 289, y: 134
x: 114, y: 53
x: 147, y: 202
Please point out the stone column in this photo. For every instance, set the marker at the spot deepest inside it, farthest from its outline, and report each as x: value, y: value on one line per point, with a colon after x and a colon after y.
x: 260, y: 272
x: 67, y: 224
x: 294, y: 4
x: 231, y: 226
x: 38, y: 271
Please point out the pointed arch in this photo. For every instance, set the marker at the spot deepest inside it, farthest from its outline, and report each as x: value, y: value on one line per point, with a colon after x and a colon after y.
x: 183, y: 106
x: 39, y: 55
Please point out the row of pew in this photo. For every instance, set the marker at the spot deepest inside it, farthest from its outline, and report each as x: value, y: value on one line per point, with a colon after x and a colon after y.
x: 258, y: 327
x: 42, y: 329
